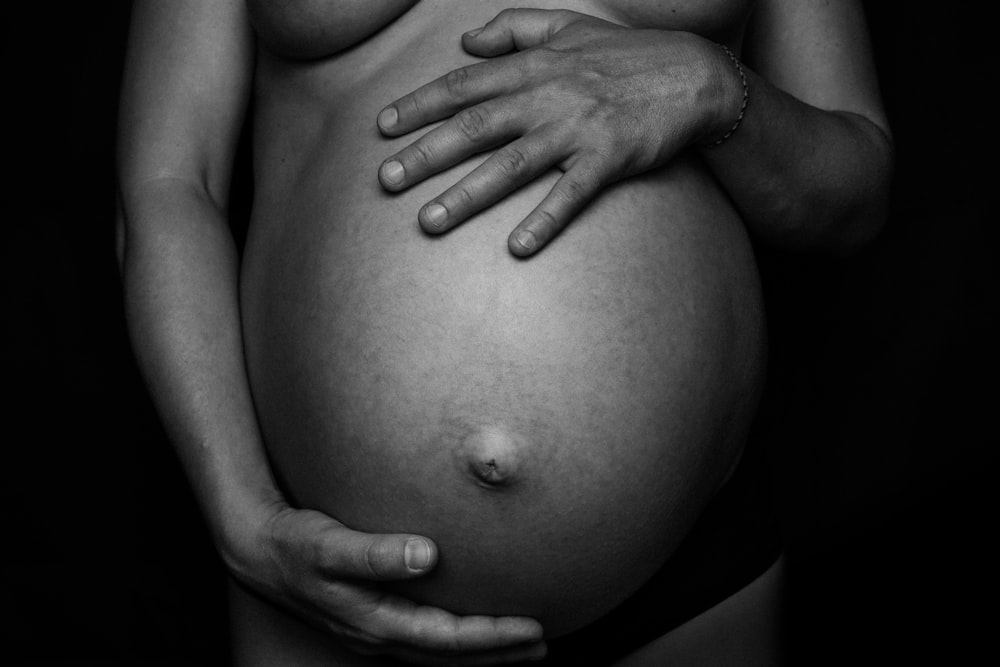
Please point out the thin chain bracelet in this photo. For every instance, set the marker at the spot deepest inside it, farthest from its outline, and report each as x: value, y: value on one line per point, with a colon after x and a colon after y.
x: 746, y: 96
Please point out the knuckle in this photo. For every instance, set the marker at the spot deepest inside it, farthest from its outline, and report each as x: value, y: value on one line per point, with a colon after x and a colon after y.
x: 421, y: 153
x: 276, y: 528
x: 374, y: 559
x: 506, y: 14
x: 542, y: 68
x: 455, y: 81
x: 410, y: 106
x: 574, y: 191
x: 546, y: 219
x: 464, y: 197
x: 363, y: 628
x: 438, y: 635
x: 611, y: 148
x: 542, y: 56
x: 314, y: 553
x: 286, y: 546
x: 472, y: 122
x: 510, y: 161
x: 533, y: 61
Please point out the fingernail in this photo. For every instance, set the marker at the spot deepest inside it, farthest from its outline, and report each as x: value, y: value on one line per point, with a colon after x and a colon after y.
x: 392, y: 172
x: 435, y: 215
x: 417, y: 555
x: 388, y: 118
x: 473, y: 33
x: 525, y: 239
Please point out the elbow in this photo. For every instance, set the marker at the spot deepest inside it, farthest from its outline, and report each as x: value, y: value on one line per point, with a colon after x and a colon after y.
x: 867, y: 208
x: 849, y: 212
x: 867, y: 212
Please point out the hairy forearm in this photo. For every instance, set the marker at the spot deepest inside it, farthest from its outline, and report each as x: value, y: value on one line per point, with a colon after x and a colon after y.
x: 180, y: 276
x: 802, y: 177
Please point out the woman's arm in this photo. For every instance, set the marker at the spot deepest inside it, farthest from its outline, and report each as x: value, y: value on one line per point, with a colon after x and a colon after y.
x: 185, y: 89
x: 808, y: 166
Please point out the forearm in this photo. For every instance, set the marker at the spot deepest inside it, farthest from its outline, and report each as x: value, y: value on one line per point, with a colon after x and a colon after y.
x: 180, y: 276
x: 802, y: 177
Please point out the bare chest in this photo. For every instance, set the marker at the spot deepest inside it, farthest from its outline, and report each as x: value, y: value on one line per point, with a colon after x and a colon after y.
x: 320, y: 28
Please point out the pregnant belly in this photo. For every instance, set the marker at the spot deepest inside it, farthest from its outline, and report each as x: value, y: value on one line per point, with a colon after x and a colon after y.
x: 555, y: 424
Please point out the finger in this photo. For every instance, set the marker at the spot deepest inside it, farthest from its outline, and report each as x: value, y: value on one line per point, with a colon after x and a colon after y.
x: 574, y: 190
x: 517, y: 29
x: 517, y: 654
x: 446, y: 95
x: 506, y: 170
x: 404, y: 623
x: 343, y: 552
x: 470, y: 131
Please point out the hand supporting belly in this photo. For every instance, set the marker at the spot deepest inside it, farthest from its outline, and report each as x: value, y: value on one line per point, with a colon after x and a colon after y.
x: 554, y: 425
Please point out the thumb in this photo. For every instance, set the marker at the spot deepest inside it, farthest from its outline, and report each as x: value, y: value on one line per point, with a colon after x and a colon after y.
x: 374, y: 557
x: 517, y: 29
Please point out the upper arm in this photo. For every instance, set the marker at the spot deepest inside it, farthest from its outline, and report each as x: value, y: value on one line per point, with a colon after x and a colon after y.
x: 818, y: 51
x: 184, y: 92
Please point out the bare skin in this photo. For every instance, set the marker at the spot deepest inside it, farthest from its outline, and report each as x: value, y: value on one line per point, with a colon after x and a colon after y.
x: 184, y: 96
x: 186, y: 89
x: 603, y: 103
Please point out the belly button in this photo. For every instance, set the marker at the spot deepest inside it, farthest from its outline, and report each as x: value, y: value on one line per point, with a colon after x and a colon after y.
x: 493, y: 456
x: 489, y: 472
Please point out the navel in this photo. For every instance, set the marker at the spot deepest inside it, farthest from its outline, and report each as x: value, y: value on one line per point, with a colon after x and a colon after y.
x: 492, y: 455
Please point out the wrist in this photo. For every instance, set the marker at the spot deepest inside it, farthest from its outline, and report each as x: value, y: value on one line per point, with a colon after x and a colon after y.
x: 729, y: 92
x: 240, y: 524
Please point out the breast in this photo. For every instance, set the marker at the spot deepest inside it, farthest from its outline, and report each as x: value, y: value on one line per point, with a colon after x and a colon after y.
x: 307, y: 29
x: 555, y: 424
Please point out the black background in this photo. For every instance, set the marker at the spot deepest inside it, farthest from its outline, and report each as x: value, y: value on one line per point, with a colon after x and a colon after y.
x: 880, y: 413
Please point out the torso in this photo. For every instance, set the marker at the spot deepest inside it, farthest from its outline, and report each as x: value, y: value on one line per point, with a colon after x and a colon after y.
x: 610, y: 379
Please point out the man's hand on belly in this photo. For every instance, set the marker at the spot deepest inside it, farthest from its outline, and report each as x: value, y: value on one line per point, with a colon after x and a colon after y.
x: 327, y: 574
x: 595, y: 99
